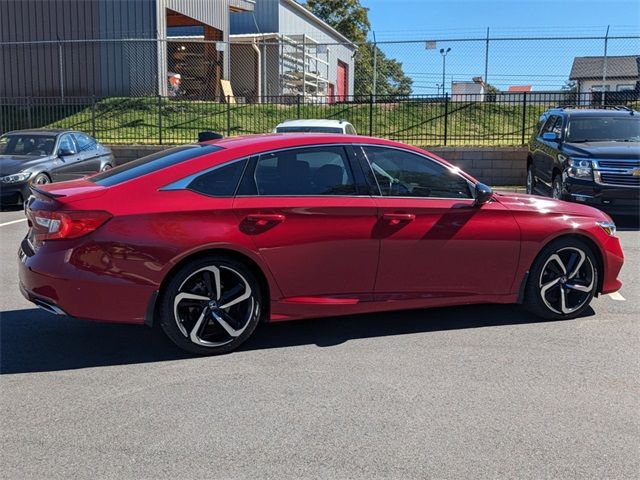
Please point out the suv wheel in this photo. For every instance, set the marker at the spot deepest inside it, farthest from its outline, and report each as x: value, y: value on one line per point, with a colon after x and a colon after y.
x: 562, y: 281
x: 556, y: 187
x: 211, y: 305
x: 530, y: 180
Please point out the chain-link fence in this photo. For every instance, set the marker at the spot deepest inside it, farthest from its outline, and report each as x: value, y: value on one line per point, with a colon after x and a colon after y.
x: 482, y: 90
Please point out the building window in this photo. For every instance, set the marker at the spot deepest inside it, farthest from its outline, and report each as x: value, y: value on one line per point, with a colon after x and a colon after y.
x: 625, y: 87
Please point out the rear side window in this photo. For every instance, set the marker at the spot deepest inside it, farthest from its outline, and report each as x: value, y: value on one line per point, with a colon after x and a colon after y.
x: 85, y: 143
x: 305, y: 171
x: 221, y: 181
x: 151, y: 163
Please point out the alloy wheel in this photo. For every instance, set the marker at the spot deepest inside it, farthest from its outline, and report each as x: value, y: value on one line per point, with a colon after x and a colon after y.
x: 529, y: 181
x: 567, y: 280
x: 214, y: 305
x: 40, y: 179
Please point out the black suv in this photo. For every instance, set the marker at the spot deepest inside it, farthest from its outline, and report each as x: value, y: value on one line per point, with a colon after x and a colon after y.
x: 590, y: 156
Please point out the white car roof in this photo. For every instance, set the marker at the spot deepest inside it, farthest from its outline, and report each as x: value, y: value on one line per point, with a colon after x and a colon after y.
x: 313, y: 123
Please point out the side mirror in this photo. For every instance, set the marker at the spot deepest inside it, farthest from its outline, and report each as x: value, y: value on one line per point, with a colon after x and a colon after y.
x: 550, y: 137
x: 65, y: 152
x: 483, y: 194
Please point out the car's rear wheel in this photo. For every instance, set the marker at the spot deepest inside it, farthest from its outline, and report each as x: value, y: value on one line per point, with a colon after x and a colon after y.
x: 562, y: 281
x: 530, y: 180
x: 105, y: 167
x: 211, y: 305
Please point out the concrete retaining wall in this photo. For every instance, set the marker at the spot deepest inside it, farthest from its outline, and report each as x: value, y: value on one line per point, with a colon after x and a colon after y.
x: 493, y: 166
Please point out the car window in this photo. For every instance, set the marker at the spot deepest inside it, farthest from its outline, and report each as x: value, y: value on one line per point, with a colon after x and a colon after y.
x: 85, y: 143
x: 18, y: 144
x: 305, y: 171
x: 67, y: 143
x: 604, y: 128
x: 553, y: 124
x: 405, y: 174
x: 221, y: 181
x: 152, y: 163
x: 351, y: 130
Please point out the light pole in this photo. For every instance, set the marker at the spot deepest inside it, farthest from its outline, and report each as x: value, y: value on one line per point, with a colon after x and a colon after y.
x: 438, y: 87
x: 444, y: 53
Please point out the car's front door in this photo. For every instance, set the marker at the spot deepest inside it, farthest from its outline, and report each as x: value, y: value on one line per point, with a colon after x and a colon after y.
x: 68, y: 164
x: 433, y: 241
x: 546, y: 151
x: 303, y: 210
x: 91, y: 156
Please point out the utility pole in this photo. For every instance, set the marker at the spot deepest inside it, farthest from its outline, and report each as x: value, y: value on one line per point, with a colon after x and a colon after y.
x: 444, y: 53
x: 374, y: 88
x: 486, y: 59
x: 604, y: 67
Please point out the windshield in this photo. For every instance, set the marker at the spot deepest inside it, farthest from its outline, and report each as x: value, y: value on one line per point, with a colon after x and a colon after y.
x: 303, y: 129
x: 604, y: 129
x: 31, y: 145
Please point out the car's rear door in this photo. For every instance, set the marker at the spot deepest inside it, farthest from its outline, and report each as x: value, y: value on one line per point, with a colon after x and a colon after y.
x: 311, y: 223
x: 433, y: 241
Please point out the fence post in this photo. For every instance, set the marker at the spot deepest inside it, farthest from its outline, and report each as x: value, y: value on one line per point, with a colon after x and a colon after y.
x: 93, y: 116
x: 524, y: 115
x: 228, y: 115
x: 298, y: 107
x: 371, y: 115
x: 159, y: 119
x: 29, y: 113
x: 446, y: 116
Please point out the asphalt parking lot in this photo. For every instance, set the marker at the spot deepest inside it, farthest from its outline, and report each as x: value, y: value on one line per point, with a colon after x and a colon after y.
x: 480, y: 391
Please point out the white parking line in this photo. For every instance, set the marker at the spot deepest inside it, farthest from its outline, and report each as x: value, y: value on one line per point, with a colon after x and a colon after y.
x: 12, y: 222
x: 617, y: 296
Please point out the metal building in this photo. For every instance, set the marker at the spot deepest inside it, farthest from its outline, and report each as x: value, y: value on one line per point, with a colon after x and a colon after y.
x: 108, y: 47
x: 281, y: 48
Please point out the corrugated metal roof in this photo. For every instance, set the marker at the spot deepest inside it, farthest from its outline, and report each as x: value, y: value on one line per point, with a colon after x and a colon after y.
x: 593, y: 67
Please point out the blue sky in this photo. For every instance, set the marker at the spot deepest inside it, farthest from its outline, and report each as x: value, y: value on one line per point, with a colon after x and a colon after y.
x: 545, y: 64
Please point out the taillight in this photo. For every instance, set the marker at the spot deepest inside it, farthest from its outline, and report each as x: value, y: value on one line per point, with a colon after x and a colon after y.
x: 56, y: 225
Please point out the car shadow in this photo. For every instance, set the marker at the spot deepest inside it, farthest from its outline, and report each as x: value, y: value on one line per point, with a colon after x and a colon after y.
x: 11, y: 207
x: 32, y: 340
x: 629, y: 223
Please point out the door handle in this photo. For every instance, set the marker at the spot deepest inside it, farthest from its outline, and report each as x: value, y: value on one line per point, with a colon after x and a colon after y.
x: 397, y: 218
x: 262, y: 219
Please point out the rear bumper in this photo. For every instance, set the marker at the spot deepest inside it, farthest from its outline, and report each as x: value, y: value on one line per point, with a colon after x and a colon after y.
x: 610, y: 199
x: 50, y: 280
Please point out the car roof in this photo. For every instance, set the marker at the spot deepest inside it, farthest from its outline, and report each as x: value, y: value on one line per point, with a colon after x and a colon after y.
x: 313, y: 123
x: 269, y: 141
x: 41, y: 131
x: 592, y: 112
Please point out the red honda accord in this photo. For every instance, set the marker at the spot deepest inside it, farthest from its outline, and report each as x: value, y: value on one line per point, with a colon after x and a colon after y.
x: 209, y: 239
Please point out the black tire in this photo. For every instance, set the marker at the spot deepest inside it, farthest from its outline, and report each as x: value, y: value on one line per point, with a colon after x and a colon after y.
x: 531, y: 183
x: 40, y: 179
x: 556, y: 187
x: 106, y: 166
x: 576, y: 286
x: 221, y: 330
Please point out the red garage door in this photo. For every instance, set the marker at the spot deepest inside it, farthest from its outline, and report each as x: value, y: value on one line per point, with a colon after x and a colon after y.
x: 342, y: 81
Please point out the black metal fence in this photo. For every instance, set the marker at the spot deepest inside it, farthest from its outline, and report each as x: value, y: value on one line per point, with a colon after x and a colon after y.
x: 462, y: 120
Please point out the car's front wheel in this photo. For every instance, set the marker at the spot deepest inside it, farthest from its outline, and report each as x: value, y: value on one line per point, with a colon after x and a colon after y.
x: 562, y: 280
x: 211, y: 305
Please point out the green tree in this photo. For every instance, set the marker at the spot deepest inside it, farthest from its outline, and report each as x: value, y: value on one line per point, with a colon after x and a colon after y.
x: 351, y: 19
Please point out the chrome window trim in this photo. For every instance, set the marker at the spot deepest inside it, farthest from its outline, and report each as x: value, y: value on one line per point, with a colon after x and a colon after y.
x: 454, y: 170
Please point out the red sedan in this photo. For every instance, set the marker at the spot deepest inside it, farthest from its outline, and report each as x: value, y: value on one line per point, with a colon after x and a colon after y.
x: 210, y: 239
